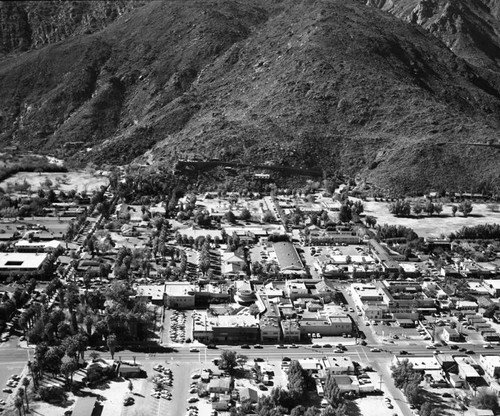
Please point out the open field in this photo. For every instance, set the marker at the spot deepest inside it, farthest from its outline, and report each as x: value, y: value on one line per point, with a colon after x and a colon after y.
x: 426, y: 226
x: 78, y: 180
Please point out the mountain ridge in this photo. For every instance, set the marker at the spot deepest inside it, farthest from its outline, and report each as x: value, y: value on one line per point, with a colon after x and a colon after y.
x: 341, y: 86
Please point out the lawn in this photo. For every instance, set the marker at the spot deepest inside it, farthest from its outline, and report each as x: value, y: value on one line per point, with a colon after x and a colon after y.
x: 426, y: 226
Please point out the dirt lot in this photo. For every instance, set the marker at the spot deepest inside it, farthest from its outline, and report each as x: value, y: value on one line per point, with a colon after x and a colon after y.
x: 433, y: 226
x: 78, y: 180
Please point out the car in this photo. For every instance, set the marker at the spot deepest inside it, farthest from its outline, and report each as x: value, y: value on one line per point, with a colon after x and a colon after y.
x: 389, y: 405
x: 338, y: 351
x: 192, y: 399
x: 375, y: 350
x: 258, y: 346
x: 281, y: 346
x: 453, y: 347
x: 446, y: 394
x: 7, y: 390
x: 294, y: 346
x: 286, y: 359
x: 212, y: 346
x: 431, y: 347
x: 487, y: 346
x: 245, y: 346
x: 327, y: 346
x: 262, y: 387
x: 403, y: 352
x: 258, y: 359
x: 194, y: 350
x: 367, y: 323
x: 469, y: 352
x: 193, y: 390
x: 462, y: 349
x: 316, y: 346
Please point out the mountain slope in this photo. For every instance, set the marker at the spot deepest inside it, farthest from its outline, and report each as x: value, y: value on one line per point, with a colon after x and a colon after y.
x: 471, y: 29
x: 338, y: 85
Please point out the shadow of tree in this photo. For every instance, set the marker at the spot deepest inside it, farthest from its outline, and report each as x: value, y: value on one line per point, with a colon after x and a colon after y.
x: 352, y: 408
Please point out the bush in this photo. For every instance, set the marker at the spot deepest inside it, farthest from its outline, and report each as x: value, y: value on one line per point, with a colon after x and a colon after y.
x: 52, y: 394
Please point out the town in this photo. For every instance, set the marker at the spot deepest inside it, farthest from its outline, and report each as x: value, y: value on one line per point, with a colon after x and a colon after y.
x: 315, y: 301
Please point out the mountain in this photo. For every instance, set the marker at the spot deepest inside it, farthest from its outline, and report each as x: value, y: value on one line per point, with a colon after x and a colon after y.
x: 342, y: 86
x: 471, y: 29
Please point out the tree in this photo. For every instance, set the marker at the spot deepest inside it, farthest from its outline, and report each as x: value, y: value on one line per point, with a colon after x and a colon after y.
x: 18, y: 402
x: 465, y: 208
x: 228, y: 360
x: 130, y: 386
x: 370, y: 221
x: 417, y: 208
x: 230, y: 217
x: 296, y: 380
x: 428, y: 410
x: 111, y: 342
x: 413, y: 393
x: 26, y: 383
x: 438, y: 208
x: 400, y: 208
x: 268, y: 217
x: 454, y: 210
x: 245, y: 215
x: 485, y: 399
x: 68, y: 368
x: 429, y: 208
x: 253, y: 309
x: 403, y: 373
x: 332, y: 391
x: 490, y: 311
x: 21, y: 393
x: 345, y: 214
x: 357, y: 207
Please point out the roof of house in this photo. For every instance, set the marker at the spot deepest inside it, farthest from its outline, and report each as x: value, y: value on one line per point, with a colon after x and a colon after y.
x: 84, y: 406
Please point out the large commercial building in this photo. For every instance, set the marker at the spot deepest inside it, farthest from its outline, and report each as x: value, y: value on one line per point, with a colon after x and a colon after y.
x: 21, y: 262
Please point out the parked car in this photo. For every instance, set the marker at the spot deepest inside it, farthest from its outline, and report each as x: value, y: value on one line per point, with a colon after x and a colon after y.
x: 375, y: 350
x: 194, y: 350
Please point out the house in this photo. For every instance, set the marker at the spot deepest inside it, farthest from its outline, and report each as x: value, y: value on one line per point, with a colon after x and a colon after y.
x: 85, y: 406
x: 232, y: 264
x: 220, y: 385
x: 451, y: 335
x: 248, y: 394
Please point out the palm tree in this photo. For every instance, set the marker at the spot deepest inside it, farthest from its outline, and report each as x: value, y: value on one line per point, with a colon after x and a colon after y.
x: 21, y: 394
x: 26, y: 383
x: 19, y: 405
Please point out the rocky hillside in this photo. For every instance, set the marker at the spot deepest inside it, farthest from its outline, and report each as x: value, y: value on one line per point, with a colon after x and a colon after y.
x: 471, y: 29
x: 339, y: 85
x: 32, y: 24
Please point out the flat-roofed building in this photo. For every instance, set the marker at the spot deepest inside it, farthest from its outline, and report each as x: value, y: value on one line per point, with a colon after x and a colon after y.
x: 490, y: 365
x: 291, y: 330
x: 329, y: 326
x: 270, y: 329
x: 26, y: 246
x: 151, y: 293
x: 21, y: 262
x: 288, y: 258
x: 236, y: 329
x: 451, y: 335
x: 179, y: 295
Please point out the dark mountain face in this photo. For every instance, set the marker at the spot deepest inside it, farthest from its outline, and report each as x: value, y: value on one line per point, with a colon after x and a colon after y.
x: 471, y: 29
x: 337, y: 85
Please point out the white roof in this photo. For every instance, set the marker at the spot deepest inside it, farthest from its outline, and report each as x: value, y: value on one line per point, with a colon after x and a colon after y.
x: 16, y: 261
